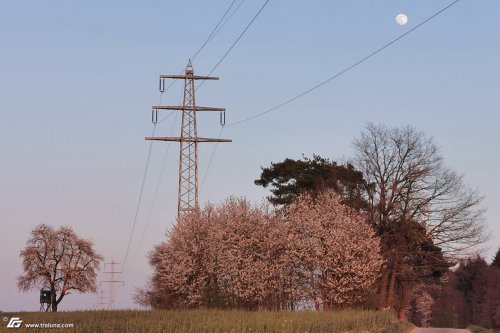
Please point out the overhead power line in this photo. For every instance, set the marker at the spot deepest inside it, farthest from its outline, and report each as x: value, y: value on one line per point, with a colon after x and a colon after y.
x: 157, y: 190
x: 214, y: 68
x: 218, y: 27
x: 213, y: 32
x: 211, y: 158
x: 229, y: 17
x: 144, y: 176
x: 220, y: 61
x: 346, y: 69
x: 327, y: 80
x: 236, y: 41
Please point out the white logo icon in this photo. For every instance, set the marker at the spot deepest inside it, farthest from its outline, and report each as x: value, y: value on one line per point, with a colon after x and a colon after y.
x: 14, y: 322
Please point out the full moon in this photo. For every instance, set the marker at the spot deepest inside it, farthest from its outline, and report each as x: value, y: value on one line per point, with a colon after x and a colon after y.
x: 402, y: 19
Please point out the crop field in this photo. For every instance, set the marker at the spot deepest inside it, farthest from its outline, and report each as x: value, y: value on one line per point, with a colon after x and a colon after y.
x: 198, y: 321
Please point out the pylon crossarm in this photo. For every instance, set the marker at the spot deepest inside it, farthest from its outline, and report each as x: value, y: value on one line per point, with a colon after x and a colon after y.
x: 186, y: 139
x: 189, y: 77
x: 191, y: 108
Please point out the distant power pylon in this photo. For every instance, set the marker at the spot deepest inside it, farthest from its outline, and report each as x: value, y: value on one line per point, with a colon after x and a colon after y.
x: 189, y: 139
x: 111, y: 282
x: 102, y: 300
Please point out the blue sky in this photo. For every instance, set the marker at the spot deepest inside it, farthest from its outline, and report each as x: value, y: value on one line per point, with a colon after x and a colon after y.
x: 78, y: 79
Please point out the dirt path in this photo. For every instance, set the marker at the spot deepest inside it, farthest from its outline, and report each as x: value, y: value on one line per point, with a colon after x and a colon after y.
x: 438, y: 330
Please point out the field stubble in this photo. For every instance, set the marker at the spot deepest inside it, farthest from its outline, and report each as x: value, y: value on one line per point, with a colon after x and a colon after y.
x: 198, y: 321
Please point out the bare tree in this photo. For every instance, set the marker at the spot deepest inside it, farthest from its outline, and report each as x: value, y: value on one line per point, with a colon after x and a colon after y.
x: 58, y: 260
x: 418, y: 206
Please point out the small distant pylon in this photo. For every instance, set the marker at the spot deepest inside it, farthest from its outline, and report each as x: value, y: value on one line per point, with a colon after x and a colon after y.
x: 189, y: 139
x: 102, y: 300
x: 112, y: 281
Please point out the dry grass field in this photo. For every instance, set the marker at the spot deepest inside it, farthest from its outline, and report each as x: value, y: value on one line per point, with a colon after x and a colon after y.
x: 198, y: 321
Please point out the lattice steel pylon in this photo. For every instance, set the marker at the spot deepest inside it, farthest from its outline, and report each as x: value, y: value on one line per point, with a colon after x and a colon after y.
x: 112, y: 281
x: 189, y: 139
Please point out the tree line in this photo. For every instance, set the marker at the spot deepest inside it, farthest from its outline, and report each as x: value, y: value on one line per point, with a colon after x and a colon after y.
x: 424, y: 217
x: 319, y: 255
x: 392, y: 228
x: 468, y: 295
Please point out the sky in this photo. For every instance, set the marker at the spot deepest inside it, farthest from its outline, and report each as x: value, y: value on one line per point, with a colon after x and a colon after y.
x: 78, y: 79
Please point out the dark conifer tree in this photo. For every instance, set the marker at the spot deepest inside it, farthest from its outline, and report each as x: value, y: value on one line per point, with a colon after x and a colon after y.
x: 290, y: 178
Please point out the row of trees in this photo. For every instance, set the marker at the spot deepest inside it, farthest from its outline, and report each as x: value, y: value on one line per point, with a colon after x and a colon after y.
x: 372, y: 231
x: 320, y: 254
x: 424, y: 216
x: 469, y: 295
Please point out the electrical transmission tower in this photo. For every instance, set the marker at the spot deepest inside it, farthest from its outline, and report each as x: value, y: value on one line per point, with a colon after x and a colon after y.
x: 102, y: 300
x: 111, y: 282
x: 189, y: 139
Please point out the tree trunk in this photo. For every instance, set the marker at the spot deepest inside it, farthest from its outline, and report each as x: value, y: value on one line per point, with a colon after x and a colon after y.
x: 402, y: 314
x: 54, y: 305
x: 53, y: 298
x: 405, y: 297
x: 392, y: 287
x: 383, y: 289
x: 57, y: 300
